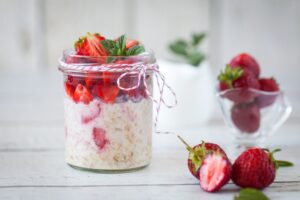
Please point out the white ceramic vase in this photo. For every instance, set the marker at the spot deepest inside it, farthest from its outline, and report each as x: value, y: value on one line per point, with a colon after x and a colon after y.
x: 194, y: 87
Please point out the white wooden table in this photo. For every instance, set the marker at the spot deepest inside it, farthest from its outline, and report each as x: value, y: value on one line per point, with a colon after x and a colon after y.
x: 32, y: 162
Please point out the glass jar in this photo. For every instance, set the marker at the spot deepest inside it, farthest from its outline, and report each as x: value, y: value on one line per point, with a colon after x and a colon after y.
x: 108, y: 112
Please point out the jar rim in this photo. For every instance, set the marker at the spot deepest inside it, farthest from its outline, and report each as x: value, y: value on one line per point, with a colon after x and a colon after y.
x: 69, y: 62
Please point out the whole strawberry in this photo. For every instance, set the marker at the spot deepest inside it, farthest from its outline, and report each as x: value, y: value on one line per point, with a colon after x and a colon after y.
x: 267, y: 85
x: 198, y: 153
x: 255, y: 168
x: 242, y: 80
x: 246, y: 117
x: 246, y: 62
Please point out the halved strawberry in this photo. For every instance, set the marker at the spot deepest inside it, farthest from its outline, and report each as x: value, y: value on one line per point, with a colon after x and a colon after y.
x: 131, y: 43
x: 90, y: 45
x: 69, y: 89
x: 100, y: 139
x: 82, y: 94
x: 107, y: 92
x: 198, y: 153
x: 214, y: 172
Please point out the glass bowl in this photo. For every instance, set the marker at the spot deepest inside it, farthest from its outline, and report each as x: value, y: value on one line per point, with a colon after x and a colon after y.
x: 253, y: 115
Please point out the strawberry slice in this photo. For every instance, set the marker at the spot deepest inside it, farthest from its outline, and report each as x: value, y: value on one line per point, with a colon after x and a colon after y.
x: 131, y: 43
x: 107, y: 92
x: 99, y: 137
x: 82, y: 94
x: 91, y: 79
x: 215, y: 172
x: 90, y: 45
x: 69, y: 88
x: 90, y: 112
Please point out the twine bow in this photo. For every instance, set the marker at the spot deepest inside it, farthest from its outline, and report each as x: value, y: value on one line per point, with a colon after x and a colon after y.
x: 137, y: 69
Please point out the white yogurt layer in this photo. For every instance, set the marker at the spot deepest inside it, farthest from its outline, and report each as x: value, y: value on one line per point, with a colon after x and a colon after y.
x: 124, y: 140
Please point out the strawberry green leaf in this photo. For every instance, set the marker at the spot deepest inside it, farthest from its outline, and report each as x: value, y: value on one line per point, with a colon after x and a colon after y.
x: 229, y: 75
x: 283, y: 163
x: 135, y: 50
x: 250, y: 194
x: 278, y: 163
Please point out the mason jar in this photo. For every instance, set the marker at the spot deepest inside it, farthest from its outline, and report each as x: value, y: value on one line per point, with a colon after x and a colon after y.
x: 108, y: 111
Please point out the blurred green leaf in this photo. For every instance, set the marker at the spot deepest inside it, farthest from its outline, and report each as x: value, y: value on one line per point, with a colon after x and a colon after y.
x: 197, y: 38
x: 195, y: 58
x: 189, y: 50
x: 179, y: 47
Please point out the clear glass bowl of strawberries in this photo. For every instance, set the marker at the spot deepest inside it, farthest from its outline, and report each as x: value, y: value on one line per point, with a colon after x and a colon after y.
x: 253, y: 107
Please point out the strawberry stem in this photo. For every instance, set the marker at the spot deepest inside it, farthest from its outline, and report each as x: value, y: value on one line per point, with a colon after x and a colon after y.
x: 189, y: 148
x: 284, y: 163
x: 278, y: 163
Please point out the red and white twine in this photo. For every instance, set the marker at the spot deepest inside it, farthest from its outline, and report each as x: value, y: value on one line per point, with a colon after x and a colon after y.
x: 137, y: 69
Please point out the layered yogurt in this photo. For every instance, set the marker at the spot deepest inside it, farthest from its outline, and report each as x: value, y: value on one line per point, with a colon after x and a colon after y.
x: 108, y: 136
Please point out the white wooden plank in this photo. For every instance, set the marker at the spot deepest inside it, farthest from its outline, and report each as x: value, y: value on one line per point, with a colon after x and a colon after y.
x: 164, y: 192
x: 37, y: 168
x: 49, y: 135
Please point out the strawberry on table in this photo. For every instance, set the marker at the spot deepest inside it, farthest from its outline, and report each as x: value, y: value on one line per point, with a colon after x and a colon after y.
x: 246, y: 117
x: 215, y: 172
x: 246, y: 62
x: 82, y: 94
x: 256, y: 168
x: 198, y: 153
x: 268, y: 85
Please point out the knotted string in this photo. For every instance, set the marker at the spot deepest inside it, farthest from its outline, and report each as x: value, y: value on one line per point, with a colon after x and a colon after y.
x: 140, y: 70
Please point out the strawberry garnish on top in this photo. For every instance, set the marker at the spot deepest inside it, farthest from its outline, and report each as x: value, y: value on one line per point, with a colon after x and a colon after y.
x: 130, y: 43
x: 247, y: 62
x: 122, y: 47
x: 90, y: 45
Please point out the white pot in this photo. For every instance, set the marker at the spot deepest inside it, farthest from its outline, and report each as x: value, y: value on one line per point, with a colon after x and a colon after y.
x: 194, y: 88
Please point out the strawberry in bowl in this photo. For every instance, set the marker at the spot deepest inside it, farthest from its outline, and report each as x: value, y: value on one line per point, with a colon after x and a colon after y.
x: 252, y: 106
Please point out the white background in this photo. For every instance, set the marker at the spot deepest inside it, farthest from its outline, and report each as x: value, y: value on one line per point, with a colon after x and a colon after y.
x: 33, y: 33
